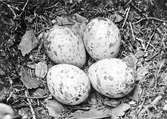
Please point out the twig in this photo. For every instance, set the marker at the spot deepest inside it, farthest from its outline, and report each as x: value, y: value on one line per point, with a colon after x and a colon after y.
x: 144, y: 15
x: 128, y: 2
x: 132, y: 31
x: 150, y: 18
x: 25, y: 5
x: 147, y: 60
x: 46, y: 8
x: 33, y: 97
x: 30, y: 105
x: 150, y: 39
x: 153, y: 104
x: 11, y: 9
x: 126, y: 17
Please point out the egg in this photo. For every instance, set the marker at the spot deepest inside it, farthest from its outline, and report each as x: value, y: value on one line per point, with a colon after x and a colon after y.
x: 64, y: 46
x: 68, y: 84
x: 6, y: 111
x: 112, y: 77
x: 102, y: 38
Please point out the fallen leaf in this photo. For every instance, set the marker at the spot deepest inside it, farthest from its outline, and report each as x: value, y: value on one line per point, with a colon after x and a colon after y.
x: 131, y: 61
x: 139, y: 53
x: 28, y: 42
x: 70, y: 20
x: 39, y: 93
x: 164, y: 78
x: 41, y: 69
x: 116, y: 17
x: 76, y: 23
x: 142, y: 72
x: 78, y: 28
x: 54, y: 108
x: 4, y: 92
x: 120, y: 110
x: 62, y: 21
x: 28, y: 79
x: 25, y: 113
x: 2, y: 73
x: 78, y: 18
x: 93, y: 113
x: 111, y: 102
x: 137, y: 93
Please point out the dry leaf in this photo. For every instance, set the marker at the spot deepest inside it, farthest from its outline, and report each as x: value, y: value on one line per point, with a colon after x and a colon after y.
x: 111, y: 102
x: 2, y: 73
x: 76, y: 23
x: 93, y: 113
x: 28, y: 80
x: 28, y: 42
x: 78, y: 18
x: 54, y: 108
x: 41, y: 69
x: 62, y: 21
x: 137, y: 93
x: 39, y: 93
x: 70, y: 20
x: 4, y: 92
x: 131, y: 61
x: 120, y: 110
x: 78, y: 28
x: 116, y: 17
x: 164, y: 78
x: 139, y: 53
x: 142, y: 72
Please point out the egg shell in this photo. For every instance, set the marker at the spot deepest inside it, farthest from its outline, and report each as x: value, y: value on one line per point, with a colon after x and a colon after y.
x: 68, y: 84
x: 64, y: 46
x: 102, y: 38
x: 112, y: 77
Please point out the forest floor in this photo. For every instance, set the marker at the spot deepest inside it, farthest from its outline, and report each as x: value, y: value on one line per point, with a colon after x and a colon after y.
x: 143, y: 27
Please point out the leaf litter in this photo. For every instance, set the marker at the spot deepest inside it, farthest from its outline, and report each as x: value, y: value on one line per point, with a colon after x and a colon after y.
x: 101, y: 112
x: 143, y: 34
x: 28, y: 78
x: 28, y: 42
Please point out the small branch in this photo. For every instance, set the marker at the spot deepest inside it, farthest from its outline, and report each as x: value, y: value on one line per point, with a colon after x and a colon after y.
x: 152, y: 104
x: 132, y: 31
x: 25, y: 5
x: 126, y: 17
x: 30, y: 105
x: 150, y: 39
x: 11, y: 9
x: 33, y: 97
x: 150, y: 18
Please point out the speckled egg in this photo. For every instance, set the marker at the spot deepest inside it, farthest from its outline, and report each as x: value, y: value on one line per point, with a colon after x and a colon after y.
x: 112, y: 77
x: 64, y: 46
x: 68, y: 84
x: 102, y: 38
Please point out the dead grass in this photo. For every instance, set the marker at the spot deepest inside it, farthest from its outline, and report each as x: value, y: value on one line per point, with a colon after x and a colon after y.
x: 144, y: 33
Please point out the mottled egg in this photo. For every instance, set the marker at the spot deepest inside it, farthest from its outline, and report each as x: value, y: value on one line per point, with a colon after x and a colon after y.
x: 68, y: 84
x: 112, y: 77
x: 64, y: 46
x: 102, y: 38
x: 6, y: 112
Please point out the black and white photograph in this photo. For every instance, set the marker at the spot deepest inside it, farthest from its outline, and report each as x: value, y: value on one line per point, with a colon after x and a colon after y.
x: 83, y: 59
